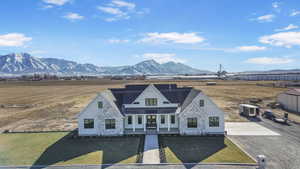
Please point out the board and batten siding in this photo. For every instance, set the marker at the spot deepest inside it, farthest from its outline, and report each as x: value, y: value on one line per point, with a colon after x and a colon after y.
x: 108, y: 111
x: 193, y: 110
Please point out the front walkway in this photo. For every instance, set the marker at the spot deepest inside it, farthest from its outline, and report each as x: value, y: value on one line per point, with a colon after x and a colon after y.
x: 151, y: 150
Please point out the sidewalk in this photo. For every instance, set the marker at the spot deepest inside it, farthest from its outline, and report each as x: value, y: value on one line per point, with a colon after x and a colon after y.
x: 151, y: 150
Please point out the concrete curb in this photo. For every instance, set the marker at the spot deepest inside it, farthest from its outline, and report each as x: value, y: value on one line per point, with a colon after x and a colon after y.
x: 131, y: 164
x: 240, y: 147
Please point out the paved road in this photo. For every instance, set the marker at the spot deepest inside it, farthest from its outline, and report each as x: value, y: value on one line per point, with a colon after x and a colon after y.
x: 282, y: 152
x: 145, y: 167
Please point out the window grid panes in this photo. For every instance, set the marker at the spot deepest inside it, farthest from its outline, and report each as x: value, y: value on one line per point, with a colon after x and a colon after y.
x: 172, y: 119
x: 214, y: 121
x: 192, y: 122
x: 100, y: 105
x: 88, y: 123
x: 201, y: 103
x: 151, y: 101
x: 139, y: 119
x: 129, y: 120
x: 162, y: 119
x: 110, y: 123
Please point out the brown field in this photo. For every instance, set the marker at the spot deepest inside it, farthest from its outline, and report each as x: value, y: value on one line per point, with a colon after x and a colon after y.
x: 53, y: 105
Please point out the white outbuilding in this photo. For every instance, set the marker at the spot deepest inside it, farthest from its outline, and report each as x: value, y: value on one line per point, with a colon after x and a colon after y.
x: 290, y: 100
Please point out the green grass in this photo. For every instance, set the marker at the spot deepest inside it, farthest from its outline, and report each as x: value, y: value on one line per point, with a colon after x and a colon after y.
x: 55, y: 149
x: 192, y: 149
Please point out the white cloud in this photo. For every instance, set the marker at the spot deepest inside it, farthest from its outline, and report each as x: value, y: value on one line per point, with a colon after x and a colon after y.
x: 14, y: 39
x: 119, y: 10
x: 172, y: 37
x: 269, y: 60
x: 295, y: 13
x: 120, y: 3
x: 285, y: 39
x: 118, y: 40
x: 251, y: 48
x: 289, y: 27
x: 275, y: 5
x: 73, y: 16
x: 163, y: 57
x: 266, y: 18
x: 56, y: 2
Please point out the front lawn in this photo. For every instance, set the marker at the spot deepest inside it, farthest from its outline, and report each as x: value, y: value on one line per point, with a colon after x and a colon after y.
x: 195, y: 149
x: 57, y: 148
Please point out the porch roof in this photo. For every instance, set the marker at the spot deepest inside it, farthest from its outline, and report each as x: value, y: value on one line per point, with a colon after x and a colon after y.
x: 149, y: 110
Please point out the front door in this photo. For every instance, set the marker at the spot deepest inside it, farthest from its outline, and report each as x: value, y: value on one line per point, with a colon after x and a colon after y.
x: 151, y: 121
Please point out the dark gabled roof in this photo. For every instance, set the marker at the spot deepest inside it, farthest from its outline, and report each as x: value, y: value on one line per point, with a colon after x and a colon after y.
x: 128, y: 94
x: 193, y: 93
x: 150, y: 110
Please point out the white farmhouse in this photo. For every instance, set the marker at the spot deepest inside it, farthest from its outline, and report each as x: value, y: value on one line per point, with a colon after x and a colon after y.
x: 290, y: 100
x: 154, y: 108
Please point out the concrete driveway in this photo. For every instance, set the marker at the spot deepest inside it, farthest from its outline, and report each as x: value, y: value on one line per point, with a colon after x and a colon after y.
x: 248, y: 129
x: 282, y: 151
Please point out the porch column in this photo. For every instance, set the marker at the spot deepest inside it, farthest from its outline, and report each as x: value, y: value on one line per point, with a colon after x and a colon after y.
x: 133, y: 122
x: 144, y: 122
x: 157, y: 122
x: 169, y: 122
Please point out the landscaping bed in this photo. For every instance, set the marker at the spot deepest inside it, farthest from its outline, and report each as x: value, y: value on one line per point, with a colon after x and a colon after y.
x: 58, y: 148
x: 196, y: 149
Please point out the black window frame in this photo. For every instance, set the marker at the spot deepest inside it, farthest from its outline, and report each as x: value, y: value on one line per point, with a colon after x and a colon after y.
x: 110, y: 124
x: 140, y: 120
x: 162, y: 120
x: 201, y: 103
x: 129, y: 120
x: 100, y: 103
x: 88, y: 123
x: 151, y: 101
x: 172, y: 119
x: 214, y: 121
x: 192, y: 122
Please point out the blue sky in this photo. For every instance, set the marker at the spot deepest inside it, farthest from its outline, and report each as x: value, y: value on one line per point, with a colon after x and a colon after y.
x: 241, y: 35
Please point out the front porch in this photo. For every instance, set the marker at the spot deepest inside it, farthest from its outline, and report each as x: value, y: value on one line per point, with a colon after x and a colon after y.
x: 152, y: 131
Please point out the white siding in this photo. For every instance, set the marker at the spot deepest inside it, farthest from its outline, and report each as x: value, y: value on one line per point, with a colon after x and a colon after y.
x: 99, y: 115
x: 193, y: 110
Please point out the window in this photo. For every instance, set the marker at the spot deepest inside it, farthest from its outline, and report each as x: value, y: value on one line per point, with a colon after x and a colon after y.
x: 110, y: 123
x: 140, y: 120
x: 201, y: 103
x: 129, y: 120
x: 172, y: 119
x: 100, y: 105
x: 192, y: 122
x: 162, y: 119
x: 165, y: 102
x: 151, y: 101
x: 214, y: 121
x: 88, y: 123
x: 136, y: 102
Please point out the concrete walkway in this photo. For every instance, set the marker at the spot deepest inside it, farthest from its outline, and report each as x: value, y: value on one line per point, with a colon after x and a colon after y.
x: 151, y: 150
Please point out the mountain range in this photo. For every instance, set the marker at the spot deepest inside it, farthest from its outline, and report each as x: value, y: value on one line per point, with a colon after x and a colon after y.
x: 24, y: 63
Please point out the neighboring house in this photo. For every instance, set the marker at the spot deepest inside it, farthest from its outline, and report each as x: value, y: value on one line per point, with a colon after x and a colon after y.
x: 290, y: 100
x: 158, y: 108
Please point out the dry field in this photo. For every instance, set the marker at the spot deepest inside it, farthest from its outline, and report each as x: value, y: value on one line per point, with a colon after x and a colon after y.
x: 53, y: 105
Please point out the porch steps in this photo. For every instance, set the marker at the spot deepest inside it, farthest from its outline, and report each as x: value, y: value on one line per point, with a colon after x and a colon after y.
x: 151, y: 149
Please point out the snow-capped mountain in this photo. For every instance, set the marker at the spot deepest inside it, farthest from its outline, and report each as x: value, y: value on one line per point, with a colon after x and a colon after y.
x: 24, y: 63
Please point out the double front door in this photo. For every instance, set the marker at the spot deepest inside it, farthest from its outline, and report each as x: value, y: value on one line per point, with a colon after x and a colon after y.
x: 151, y: 121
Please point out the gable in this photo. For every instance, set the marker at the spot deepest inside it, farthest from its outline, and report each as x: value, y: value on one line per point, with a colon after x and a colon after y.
x: 109, y: 108
x: 151, y: 92
x: 193, y: 107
